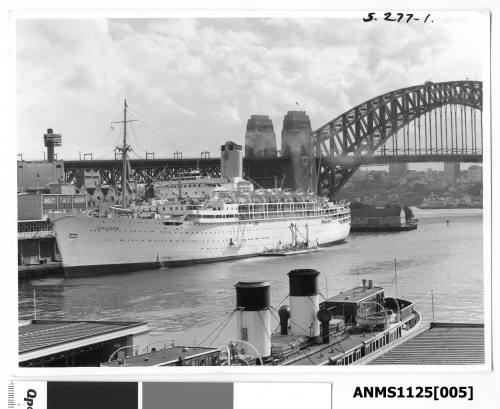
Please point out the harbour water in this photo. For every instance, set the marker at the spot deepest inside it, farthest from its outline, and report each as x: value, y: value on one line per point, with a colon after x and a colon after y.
x: 186, y: 303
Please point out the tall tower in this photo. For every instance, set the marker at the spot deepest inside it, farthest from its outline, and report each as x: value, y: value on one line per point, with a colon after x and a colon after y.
x: 51, y: 140
x: 260, y: 139
x: 398, y: 169
x: 451, y: 171
x: 296, y: 144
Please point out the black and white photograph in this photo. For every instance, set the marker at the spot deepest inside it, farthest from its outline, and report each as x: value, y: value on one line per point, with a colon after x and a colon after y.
x: 280, y: 189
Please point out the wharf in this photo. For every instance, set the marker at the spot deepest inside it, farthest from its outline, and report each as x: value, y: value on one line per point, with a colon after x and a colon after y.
x: 438, y: 344
x: 53, y: 268
x: 368, y: 229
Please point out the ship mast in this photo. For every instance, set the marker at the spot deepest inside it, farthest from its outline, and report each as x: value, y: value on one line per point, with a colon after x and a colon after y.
x: 124, y: 156
x: 124, y: 149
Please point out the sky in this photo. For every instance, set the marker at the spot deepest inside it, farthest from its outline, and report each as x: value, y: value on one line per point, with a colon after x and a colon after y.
x: 193, y: 83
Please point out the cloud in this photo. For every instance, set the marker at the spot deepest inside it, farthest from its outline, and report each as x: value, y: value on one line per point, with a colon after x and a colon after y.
x: 193, y: 83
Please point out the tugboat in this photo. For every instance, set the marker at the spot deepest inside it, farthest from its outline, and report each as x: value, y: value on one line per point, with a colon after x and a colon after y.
x: 353, y: 327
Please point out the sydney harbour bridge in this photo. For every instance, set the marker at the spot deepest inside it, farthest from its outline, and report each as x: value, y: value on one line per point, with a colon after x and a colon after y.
x: 433, y: 122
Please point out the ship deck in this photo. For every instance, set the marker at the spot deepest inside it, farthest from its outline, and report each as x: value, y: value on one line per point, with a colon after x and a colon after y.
x: 320, y: 355
x: 340, y: 345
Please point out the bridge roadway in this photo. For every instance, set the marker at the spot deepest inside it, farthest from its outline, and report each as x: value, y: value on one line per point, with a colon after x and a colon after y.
x: 251, y: 163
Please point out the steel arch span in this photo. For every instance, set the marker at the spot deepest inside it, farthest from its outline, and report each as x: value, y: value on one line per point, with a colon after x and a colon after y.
x: 387, y: 125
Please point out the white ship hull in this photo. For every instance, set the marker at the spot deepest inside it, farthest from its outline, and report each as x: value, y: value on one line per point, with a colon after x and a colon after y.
x: 93, y: 245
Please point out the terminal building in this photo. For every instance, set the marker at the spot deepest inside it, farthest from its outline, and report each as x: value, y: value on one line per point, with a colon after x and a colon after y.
x: 41, y: 191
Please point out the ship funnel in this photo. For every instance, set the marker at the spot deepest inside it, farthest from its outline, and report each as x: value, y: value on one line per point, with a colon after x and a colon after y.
x: 370, y: 284
x: 284, y: 313
x: 304, y: 302
x: 231, y: 161
x: 364, y: 283
x: 253, y: 318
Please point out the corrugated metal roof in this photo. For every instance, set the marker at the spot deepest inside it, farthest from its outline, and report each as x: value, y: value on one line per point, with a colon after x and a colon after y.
x: 46, y: 333
x: 441, y: 344
x: 164, y: 356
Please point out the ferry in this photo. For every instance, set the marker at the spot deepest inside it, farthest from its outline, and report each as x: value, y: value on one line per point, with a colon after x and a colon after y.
x: 350, y: 328
x: 234, y: 221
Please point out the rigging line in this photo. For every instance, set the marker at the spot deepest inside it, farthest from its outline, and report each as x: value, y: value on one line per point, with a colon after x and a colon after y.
x: 308, y: 357
x: 222, y: 329
x: 294, y: 323
x: 276, y: 329
x: 264, y: 325
x: 215, y: 329
x: 309, y: 298
x: 105, y: 154
x: 253, y: 181
x: 135, y: 153
x: 274, y: 316
x: 135, y: 137
x: 133, y: 110
x: 102, y: 155
x: 104, y: 140
x: 224, y: 326
x: 320, y: 293
x: 283, y: 300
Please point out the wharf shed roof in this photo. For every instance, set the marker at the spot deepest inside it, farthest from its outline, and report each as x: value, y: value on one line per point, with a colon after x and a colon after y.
x: 377, y: 211
x: 441, y: 344
x: 39, y: 335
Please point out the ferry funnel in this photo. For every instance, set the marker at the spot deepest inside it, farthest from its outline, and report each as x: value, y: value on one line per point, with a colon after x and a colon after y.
x: 304, y: 302
x: 253, y: 318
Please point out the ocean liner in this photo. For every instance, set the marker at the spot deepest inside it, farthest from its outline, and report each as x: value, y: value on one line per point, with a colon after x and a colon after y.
x: 234, y: 221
